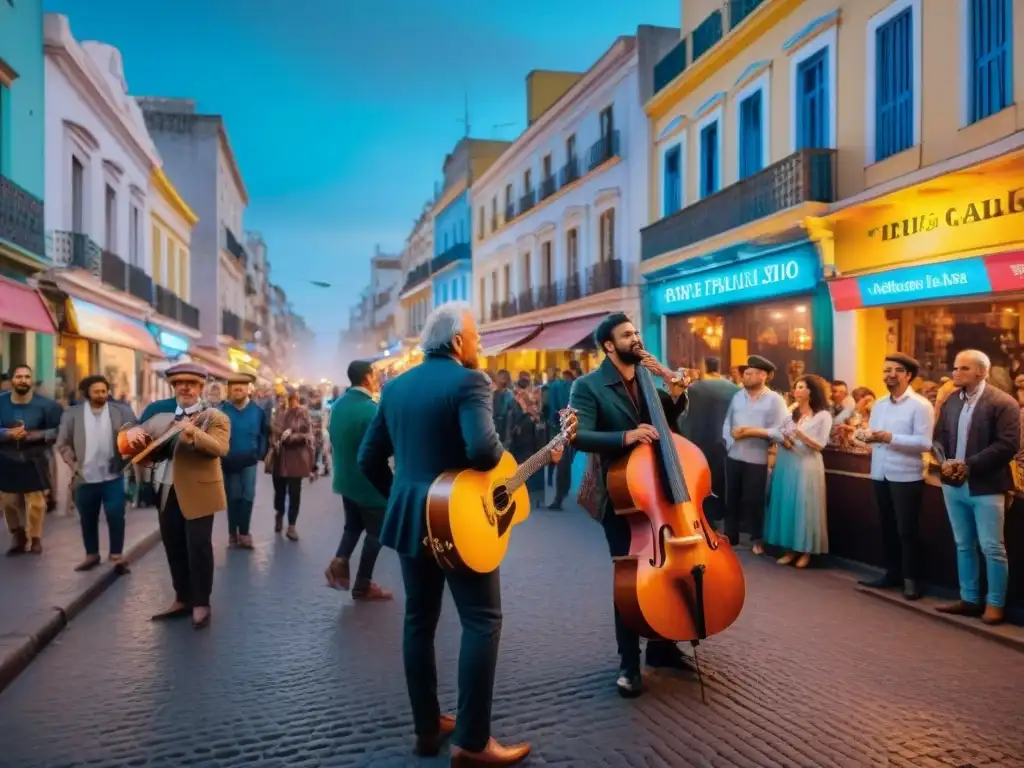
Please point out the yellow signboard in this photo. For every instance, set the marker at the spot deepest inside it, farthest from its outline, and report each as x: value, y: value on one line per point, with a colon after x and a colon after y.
x: 960, y: 214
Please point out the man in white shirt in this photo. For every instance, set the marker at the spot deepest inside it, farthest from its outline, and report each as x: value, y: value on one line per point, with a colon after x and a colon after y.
x: 900, y: 433
x: 86, y: 441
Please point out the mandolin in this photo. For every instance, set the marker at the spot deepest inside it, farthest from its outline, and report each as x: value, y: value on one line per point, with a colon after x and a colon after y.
x: 470, y: 514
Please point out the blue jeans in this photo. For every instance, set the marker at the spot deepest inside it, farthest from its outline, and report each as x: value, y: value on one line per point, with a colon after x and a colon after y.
x: 240, y: 487
x: 109, y: 495
x: 978, y: 520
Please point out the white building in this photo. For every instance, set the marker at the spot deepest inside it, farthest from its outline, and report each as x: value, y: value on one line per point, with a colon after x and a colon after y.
x: 415, y: 293
x: 557, y: 218
x: 99, y: 162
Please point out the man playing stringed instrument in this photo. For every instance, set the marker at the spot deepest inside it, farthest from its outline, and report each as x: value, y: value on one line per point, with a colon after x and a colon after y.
x: 613, y: 419
x: 436, y: 418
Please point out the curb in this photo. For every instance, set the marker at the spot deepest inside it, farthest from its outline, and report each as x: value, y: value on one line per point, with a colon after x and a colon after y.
x: 998, y: 634
x: 57, y: 617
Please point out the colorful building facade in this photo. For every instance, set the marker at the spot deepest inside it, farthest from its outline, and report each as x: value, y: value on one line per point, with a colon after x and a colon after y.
x: 743, y: 123
x: 925, y: 248
x: 26, y: 325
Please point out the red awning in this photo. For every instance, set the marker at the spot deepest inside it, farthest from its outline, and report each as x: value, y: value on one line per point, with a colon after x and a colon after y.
x: 496, y: 342
x: 218, y: 367
x: 564, y: 334
x: 22, y: 307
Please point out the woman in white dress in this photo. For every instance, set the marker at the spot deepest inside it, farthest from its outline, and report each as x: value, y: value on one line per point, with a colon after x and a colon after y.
x: 796, y: 519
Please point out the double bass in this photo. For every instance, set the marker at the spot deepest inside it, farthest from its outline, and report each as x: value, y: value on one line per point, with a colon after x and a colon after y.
x: 681, y: 580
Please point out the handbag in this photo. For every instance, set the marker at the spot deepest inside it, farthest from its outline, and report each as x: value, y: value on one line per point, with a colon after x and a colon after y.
x: 587, y: 495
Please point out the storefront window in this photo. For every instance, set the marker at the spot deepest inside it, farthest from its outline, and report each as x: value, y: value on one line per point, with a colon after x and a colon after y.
x: 934, y: 335
x: 780, y: 331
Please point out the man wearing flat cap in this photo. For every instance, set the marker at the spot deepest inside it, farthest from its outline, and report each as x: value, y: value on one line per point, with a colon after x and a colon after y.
x: 755, y: 413
x: 192, y: 485
x: 250, y: 440
x: 900, y: 433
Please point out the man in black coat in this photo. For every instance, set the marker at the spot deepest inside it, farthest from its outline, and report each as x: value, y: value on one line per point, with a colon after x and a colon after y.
x: 976, y: 437
x: 613, y: 419
x: 436, y: 418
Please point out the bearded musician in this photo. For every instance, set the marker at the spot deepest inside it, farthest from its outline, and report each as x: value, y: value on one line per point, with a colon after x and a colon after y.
x: 613, y: 419
x: 191, y: 485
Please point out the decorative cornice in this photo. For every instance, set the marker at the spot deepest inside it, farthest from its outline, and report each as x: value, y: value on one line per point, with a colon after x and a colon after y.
x: 673, y: 125
x: 170, y: 195
x: 114, y: 169
x: 813, y: 29
x: 751, y: 72
x: 710, y: 104
x: 84, y: 135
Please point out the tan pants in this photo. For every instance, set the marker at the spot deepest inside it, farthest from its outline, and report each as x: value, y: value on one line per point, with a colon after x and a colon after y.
x: 25, y: 511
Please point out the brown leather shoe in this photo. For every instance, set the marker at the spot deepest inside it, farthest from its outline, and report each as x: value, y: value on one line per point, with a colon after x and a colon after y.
x: 993, y: 615
x: 36, y: 547
x: 493, y: 754
x: 371, y: 593
x: 18, y: 542
x: 430, y: 746
x: 337, y: 574
x: 961, y: 608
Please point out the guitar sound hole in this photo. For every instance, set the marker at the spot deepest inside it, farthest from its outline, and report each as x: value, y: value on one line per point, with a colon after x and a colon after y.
x: 501, y: 498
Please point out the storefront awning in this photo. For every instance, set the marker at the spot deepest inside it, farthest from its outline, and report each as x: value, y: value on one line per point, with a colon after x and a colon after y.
x: 496, y: 342
x: 108, y: 327
x: 23, y: 308
x: 574, y: 333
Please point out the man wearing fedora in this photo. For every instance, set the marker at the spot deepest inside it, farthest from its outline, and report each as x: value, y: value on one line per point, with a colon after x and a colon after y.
x: 250, y: 437
x: 191, y: 485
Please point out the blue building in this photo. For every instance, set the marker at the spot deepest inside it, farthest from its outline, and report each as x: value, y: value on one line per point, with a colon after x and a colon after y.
x: 26, y: 325
x: 451, y: 270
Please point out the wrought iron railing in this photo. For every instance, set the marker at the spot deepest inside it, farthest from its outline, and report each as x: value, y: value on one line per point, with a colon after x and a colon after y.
x: 140, y: 285
x: 604, y: 149
x: 671, y: 66
x: 230, y: 324
x: 548, y: 186
x: 453, y: 254
x: 113, y: 271
x: 707, y: 33
x: 169, y: 304
x: 803, y: 177
x: 74, y: 250
x: 510, y: 211
x: 418, y: 276
x: 604, y: 276
x: 527, y: 201
x: 234, y: 246
x: 570, y: 171
x: 21, y: 218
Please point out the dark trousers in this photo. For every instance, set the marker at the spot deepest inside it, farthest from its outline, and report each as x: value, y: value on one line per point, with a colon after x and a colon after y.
x: 563, y: 476
x: 240, y: 488
x: 899, y: 506
x: 478, y: 600
x: 288, y: 489
x: 189, y: 548
x: 616, y: 531
x: 89, y: 498
x: 359, y: 520
x: 746, y: 485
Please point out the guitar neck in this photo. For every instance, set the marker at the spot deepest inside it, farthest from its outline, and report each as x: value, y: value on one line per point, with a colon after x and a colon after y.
x: 534, y: 464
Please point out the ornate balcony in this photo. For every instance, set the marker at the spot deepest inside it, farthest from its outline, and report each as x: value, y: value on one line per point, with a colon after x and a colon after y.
x: 113, y: 271
x: 459, y: 251
x: 234, y: 247
x: 603, y: 150
x: 671, y: 66
x: 418, y: 276
x: 74, y: 250
x: 140, y: 285
x: 570, y: 171
x: 231, y: 324
x: 167, y: 303
x: 21, y: 218
x: 548, y: 186
x: 604, y: 276
x: 527, y: 201
x: 510, y: 211
x: 803, y: 177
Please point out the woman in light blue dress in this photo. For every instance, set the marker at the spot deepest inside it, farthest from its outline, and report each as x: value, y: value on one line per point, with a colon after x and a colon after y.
x: 796, y: 519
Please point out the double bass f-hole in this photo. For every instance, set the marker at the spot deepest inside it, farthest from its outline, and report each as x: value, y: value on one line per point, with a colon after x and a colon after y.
x: 664, y: 533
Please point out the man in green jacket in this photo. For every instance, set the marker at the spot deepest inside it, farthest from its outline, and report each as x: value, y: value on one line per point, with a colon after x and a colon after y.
x: 351, y: 414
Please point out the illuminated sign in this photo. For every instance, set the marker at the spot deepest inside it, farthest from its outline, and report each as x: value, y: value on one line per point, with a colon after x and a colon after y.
x: 996, y: 273
x: 172, y: 342
x: 794, y: 270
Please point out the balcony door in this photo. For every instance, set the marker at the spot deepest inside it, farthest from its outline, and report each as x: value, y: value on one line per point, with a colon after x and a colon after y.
x: 607, y: 122
x: 110, y: 219
x: 547, y: 272
x: 77, y: 196
x: 606, y: 236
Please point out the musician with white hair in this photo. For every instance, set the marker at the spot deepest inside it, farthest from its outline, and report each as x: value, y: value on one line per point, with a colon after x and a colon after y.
x: 977, y: 435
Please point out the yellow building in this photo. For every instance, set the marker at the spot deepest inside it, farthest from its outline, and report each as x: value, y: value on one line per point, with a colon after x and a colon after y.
x: 924, y: 251
x: 176, y: 321
x: 744, y: 130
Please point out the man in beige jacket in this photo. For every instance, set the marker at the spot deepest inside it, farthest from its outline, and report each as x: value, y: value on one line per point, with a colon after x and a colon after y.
x: 192, y: 485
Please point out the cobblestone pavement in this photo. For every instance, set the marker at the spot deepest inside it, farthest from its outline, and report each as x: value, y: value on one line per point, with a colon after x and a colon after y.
x: 293, y: 674
x: 30, y: 583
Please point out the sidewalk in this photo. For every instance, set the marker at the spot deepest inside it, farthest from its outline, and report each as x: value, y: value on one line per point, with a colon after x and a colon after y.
x: 40, y: 594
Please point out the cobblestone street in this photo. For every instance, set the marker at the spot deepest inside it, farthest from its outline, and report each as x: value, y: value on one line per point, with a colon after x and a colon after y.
x: 292, y: 673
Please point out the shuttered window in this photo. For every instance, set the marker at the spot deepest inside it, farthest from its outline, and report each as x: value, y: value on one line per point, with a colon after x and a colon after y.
x: 991, y: 70
x: 812, y: 95
x: 751, y: 134
x: 673, y: 181
x: 709, y: 159
x: 894, y: 86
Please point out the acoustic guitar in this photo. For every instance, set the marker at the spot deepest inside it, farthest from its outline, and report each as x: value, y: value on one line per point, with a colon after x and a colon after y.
x: 470, y: 514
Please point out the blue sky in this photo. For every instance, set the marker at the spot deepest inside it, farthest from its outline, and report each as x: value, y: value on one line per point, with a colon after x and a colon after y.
x: 340, y: 112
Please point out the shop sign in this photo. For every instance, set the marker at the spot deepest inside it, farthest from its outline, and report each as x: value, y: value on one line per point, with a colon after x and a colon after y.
x: 996, y: 273
x: 172, y: 343
x: 929, y: 226
x: 792, y: 271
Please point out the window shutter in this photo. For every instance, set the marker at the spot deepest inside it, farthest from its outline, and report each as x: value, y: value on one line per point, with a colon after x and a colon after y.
x: 990, y: 69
